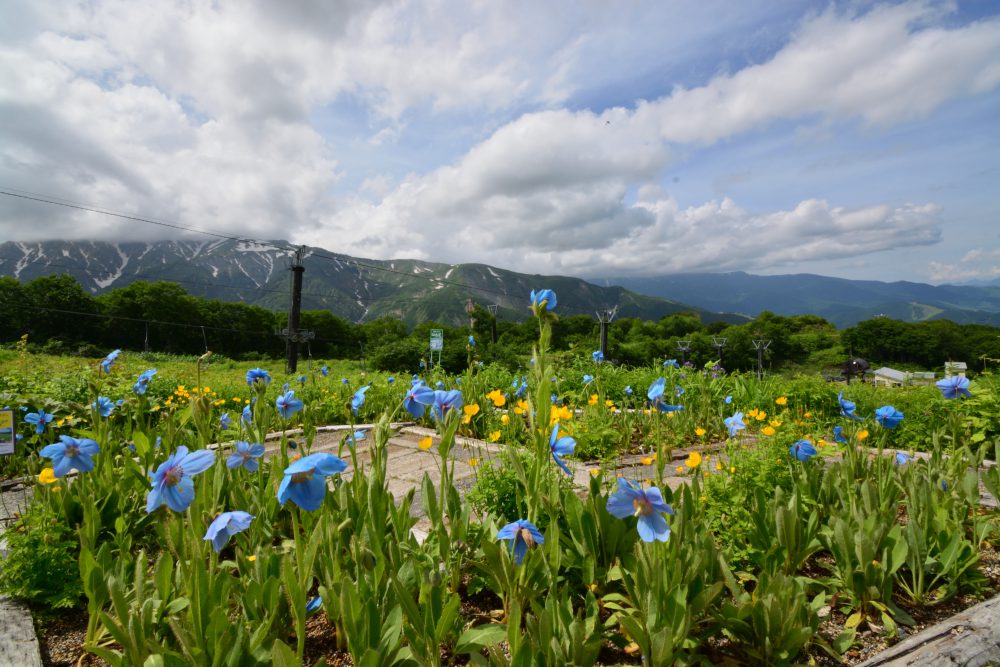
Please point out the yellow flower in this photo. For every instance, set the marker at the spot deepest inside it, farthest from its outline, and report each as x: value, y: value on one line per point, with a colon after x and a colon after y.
x: 466, y: 419
x: 781, y: 400
x: 753, y: 413
x: 594, y: 472
x: 504, y: 419
x: 471, y: 410
x: 718, y: 465
x: 252, y: 557
x: 768, y: 430
x: 761, y: 416
x: 473, y: 463
x: 647, y: 460
x: 593, y: 400
x: 693, y: 460
x: 699, y: 431
x: 565, y: 414
x: 499, y: 400
x: 862, y: 434
x: 808, y: 415
x: 679, y: 469
x: 47, y: 476
x: 521, y: 407
x: 732, y: 469
x: 426, y: 443
x: 775, y: 423
x: 609, y: 403
x: 494, y: 436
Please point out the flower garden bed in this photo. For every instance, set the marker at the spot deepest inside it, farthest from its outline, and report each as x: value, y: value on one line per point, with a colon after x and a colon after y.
x: 710, y: 531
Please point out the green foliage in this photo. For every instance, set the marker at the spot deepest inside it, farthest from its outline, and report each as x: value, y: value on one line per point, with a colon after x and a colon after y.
x: 40, y: 565
x: 497, y: 490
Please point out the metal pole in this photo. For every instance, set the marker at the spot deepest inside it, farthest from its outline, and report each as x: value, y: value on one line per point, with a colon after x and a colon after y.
x: 684, y: 346
x: 292, y: 344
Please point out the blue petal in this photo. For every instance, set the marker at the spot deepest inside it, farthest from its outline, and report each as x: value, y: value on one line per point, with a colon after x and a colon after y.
x: 653, y: 527
x: 309, y: 494
x: 197, y: 462
x: 179, y: 496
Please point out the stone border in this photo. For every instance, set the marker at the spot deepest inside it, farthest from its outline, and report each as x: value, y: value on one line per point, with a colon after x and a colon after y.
x: 970, y: 638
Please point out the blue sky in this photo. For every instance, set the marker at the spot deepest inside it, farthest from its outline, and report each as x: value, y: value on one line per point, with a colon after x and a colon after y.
x: 853, y: 139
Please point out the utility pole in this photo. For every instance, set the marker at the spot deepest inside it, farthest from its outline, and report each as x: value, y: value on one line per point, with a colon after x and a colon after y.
x: 761, y: 346
x: 292, y: 334
x: 718, y: 343
x: 493, y: 307
x: 684, y: 346
x: 604, y: 317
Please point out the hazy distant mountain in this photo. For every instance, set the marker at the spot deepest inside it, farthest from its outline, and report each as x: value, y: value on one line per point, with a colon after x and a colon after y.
x: 357, y: 289
x: 843, y: 302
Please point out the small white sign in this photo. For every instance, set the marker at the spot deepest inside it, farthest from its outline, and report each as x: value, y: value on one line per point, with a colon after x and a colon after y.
x: 7, y: 435
x: 437, y: 340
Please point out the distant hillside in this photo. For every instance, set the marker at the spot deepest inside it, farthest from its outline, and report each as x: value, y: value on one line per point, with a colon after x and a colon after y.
x: 356, y: 289
x: 841, y: 301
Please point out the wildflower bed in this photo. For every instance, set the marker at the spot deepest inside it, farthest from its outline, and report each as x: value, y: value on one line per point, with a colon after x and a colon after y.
x: 712, y: 517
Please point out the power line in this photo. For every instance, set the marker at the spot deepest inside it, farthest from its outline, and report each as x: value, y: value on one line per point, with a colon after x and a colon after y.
x: 58, y: 201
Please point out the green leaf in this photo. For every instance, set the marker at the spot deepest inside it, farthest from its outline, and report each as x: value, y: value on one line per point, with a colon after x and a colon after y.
x: 283, y: 656
x: 479, y: 637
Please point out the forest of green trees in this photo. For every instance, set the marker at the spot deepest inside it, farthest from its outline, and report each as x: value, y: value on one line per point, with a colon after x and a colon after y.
x: 60, y: 317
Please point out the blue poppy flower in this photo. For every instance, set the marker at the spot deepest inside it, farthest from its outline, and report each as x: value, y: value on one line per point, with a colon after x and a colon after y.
x: 439, y: 385
x: 302, y: 380
x: 39, y: 419
x: 344, y: 381
x: 419, y: 396
x: 888, y: 416
x: 245, y: 456
x: 390, y: 380
x: 543, y: 300
x: 224, y: 421
x: 655, y: 395
x: 103, y: 405
x: 314, y: 604
x: 172, y: 484
x: 902, y: 458
x: 522, y: 389
x: 445, y: 401
x: 247, y: 415
x: 735, y: 424
x: 110, y: 360
x: 671, y: 363
x: 359, y: 398
x: 354, y: 438
x: 522, y: 535
x: 324, y: 371
x: 647, y: 504
x: 305, y: 480
x: 628, y: 390
x: 952, y: 387
x: 287, y: 404
x: 472, y: 341
x: 847, y: 407
x: 597, y: 356
x: 258, y: 375
x: 285, y: 387
x: 838, y: 434
x: 727, y: 400
x: 225, y: 526
x: 560, y: 447
x: 71, y: 454
x: 803, y: 450
x: 587, y: 379
x: 142, y: 382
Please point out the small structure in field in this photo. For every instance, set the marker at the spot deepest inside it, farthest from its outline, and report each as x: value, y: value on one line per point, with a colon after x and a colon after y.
x: 955, y: 368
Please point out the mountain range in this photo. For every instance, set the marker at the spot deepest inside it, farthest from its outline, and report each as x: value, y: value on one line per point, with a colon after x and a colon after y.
x: 842, y: 301
x: 258, y: 273
x: 416, y: 291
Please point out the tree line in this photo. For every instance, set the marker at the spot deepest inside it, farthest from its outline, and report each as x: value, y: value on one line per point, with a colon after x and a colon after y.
x: 59, y: 316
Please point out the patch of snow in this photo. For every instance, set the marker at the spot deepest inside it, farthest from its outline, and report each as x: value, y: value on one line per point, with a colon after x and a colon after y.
x: 65, y: 253
x: 247, y: 246
x: 215, y: 270
x: 439, y: 286
x: 104, y: 282
x: 448, y: 275
x: 493, y: 273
